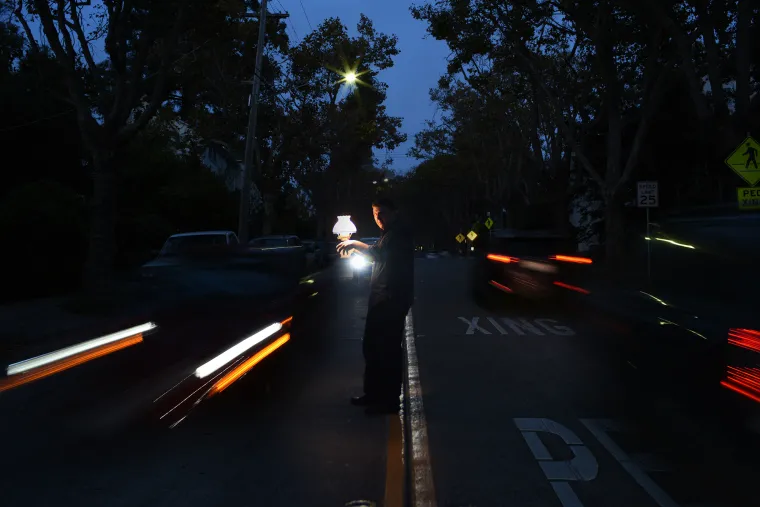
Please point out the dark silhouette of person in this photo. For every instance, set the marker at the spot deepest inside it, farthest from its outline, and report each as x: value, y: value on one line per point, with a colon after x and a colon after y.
x: 391, y: 296
x: 751, y: 155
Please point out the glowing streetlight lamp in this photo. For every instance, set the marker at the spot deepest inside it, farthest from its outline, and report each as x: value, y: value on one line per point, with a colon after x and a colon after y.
x: 344, y: 227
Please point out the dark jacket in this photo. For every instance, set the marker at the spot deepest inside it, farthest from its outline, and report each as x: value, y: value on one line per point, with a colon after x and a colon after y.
x: 393, y: 271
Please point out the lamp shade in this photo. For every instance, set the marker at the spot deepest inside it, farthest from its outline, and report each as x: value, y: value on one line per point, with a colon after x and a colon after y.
x: 344, y: 226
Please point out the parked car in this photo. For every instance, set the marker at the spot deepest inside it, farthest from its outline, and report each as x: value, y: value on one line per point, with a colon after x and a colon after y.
x: 286, y: 252
x: 181, y: 248
x: 278, y: 241
x: 187, y: 241
x: 538, y: 265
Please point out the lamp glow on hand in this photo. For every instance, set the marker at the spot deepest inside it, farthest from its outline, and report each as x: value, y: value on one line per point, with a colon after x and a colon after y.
x: 359, y: 261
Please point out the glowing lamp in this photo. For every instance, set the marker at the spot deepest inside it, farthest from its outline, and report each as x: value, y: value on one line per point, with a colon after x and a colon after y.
x: 358, y: 262
x: 344, y: 227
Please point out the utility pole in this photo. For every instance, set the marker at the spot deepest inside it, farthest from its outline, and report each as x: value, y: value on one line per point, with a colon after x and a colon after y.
x: 245, y: 191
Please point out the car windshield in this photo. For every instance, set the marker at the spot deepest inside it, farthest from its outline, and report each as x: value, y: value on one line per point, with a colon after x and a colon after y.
x: 183, y: 244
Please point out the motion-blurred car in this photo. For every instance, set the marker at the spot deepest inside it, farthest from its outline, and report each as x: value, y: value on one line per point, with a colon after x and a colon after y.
x: 286, y: 248
x: 180, y: 249
x: 530, y: 264
x: 695, y: 324
x: 361, y: 267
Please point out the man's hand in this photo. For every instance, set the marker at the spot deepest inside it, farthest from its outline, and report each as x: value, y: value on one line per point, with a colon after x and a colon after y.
x: 345, y: 248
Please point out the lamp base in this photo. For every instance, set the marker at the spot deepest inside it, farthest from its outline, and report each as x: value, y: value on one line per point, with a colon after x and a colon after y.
x: 344, y: 237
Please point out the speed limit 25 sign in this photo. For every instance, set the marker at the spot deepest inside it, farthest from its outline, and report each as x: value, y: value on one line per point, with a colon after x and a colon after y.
x: 647, y: 195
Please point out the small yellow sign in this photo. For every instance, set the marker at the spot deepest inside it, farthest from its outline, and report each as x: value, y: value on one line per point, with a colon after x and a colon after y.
x: 745, y: 161
x: 460, y: 237
x: 489, y: 222
x: 472, y: 235
x: 749, y: 198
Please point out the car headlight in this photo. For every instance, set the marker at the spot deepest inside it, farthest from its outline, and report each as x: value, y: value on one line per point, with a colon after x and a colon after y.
x: 358, y: 262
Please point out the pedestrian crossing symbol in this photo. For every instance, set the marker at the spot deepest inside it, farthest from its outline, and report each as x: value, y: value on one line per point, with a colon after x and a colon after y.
x: 460, y: 237
x: 744, y: 161
x: 472, y: 235
x: 489, y: 222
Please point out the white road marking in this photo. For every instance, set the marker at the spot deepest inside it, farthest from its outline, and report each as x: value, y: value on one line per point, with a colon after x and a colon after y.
x: 566, y: 495
x: 423, y: 489
x: 473, y: 325
x: 521, y: 327
x: 518, y: 327
x: 599, y: 428
x: 496, y: 325
x: 582, y: 467
x: 551, y: 326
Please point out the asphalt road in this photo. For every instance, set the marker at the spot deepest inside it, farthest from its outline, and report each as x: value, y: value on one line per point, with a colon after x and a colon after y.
x: 283, y: 435
x: 513, y: 391
x: 524, y: 405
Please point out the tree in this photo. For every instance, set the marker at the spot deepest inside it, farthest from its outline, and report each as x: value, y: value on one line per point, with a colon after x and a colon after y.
x: 329, y: 129
x: 563, y: 73
x: 147, y: 45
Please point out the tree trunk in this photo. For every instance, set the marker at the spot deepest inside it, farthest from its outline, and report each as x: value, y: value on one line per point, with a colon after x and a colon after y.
x: 614, y: 233
x: 100, y: 253
x: 269, y: 214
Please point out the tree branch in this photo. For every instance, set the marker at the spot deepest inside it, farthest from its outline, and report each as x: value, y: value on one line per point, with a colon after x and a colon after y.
x: 76, y: 25
x: 19, y: 12
x: 743, y: 61
x: 713, y: 61
x: 159, y: 88
x: 68, y: 61
x: 566, y: 125
x: 687, y: 59
x: 654, y: 85
x: 69, y: 44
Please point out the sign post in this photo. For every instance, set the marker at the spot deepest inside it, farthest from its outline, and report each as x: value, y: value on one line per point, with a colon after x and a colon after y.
x: 647, y: 197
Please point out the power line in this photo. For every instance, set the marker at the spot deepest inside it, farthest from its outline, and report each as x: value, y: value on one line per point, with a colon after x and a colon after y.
x: 291, y: 26
x: 307, y: 16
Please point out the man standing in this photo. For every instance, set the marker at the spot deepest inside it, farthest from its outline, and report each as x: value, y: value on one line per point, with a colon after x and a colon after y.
x: 391, y: 296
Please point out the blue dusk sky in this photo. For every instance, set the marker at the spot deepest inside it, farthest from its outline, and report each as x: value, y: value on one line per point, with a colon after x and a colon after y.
x: 417, y: 68
x: 422, y: 59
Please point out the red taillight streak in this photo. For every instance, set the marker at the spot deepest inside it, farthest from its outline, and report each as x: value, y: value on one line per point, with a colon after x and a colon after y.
x: 500, y: 286
x: 501, y: 258
x: 746, y: 338
x: 745, y: 381
x: 572, y: 287
x: 749, y: 375
x: 570, y: 258
x: 740, y: 391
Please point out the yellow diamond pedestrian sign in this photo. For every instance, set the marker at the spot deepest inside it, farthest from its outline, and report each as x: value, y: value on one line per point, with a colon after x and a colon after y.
x: 744, y: 161
x: 460, y: 237
x: 489, y: 222
x: 472, y: 235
